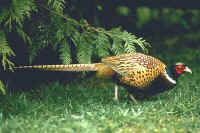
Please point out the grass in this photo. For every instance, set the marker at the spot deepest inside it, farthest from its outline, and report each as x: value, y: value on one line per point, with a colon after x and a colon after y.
x: 80, y: 108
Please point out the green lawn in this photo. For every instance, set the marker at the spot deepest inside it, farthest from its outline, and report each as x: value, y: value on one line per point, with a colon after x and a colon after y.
x: 72, y: 108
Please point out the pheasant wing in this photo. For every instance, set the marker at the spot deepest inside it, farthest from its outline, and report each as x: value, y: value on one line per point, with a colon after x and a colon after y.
x: 126, y: 63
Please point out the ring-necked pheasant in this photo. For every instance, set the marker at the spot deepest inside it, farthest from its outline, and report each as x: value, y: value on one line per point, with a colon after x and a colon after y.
x: 137, y: 72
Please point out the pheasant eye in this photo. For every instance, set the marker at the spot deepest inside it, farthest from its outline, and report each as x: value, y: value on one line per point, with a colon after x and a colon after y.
x: 183, y: 67
x: 180, y: 67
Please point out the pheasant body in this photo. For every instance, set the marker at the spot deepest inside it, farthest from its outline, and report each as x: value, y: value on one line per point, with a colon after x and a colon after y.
x: 135, y: 71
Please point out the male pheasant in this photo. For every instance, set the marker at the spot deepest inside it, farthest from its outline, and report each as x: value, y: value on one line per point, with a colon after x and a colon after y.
x: 137, y: 72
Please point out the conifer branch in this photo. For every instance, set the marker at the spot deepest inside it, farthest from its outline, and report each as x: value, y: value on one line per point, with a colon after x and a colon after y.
x: 5, y: 52
x: 127, y: 40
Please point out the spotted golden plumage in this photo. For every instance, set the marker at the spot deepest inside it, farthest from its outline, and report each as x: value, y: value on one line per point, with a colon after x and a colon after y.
x: 136, y: 71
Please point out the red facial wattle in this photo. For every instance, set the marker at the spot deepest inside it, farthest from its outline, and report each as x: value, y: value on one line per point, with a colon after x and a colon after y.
x: 180, y: 69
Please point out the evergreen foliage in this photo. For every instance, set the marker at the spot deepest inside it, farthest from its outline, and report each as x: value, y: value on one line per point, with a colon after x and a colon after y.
x: 5, y: 51
x: 49, y: 23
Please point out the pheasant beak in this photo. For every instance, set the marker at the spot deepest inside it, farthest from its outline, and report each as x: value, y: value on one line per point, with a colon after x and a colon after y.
x: 187, y: 69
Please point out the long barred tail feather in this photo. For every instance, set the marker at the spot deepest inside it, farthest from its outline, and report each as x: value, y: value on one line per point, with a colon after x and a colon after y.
x: 102, y: 70
x: 70, y: 67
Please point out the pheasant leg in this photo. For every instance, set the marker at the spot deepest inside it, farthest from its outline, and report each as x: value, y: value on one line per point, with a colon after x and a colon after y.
x: 133, y: 98
x: 116, y: 92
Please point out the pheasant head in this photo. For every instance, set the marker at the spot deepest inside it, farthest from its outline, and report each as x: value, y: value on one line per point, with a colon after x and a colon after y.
x: 178, y: 69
